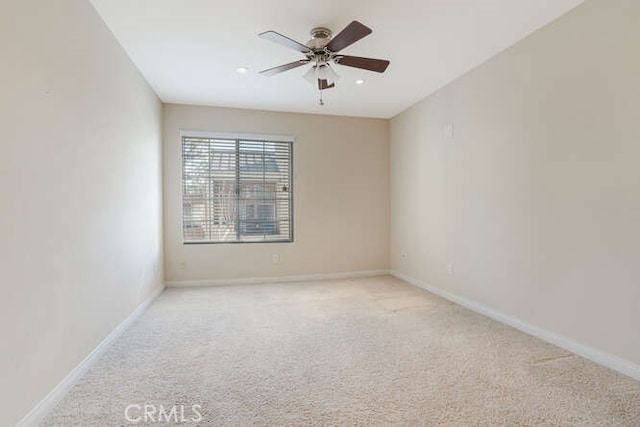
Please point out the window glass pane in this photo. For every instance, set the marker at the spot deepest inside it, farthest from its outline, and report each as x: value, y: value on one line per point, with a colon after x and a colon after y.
x: 236, y: 190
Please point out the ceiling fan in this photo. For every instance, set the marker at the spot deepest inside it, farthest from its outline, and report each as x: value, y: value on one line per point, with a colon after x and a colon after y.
x: 322, y: 51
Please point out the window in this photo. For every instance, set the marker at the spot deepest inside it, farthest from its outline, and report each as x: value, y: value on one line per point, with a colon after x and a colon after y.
x: 236, y: 189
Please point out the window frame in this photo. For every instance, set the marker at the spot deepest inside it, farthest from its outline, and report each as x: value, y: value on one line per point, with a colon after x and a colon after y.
x: 249, y: 137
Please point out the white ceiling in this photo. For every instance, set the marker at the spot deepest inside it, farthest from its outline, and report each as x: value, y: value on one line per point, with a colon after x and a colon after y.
x: 189, y: 49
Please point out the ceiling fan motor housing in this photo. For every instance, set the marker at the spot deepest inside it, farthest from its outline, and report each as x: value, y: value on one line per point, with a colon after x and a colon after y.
x: 320, y: 37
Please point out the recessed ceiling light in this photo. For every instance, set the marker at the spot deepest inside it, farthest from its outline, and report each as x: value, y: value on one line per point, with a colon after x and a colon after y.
x: 359, y: 82
x: 242, y: 70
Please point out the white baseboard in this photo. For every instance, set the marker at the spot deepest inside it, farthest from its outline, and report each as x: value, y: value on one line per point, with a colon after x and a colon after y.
x: 42, y: 409
x: 605, y: 359
x: 260, y: 280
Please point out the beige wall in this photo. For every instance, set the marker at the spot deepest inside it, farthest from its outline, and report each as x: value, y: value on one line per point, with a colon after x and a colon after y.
x: 341, y: 196
x: 536, y: 197
x: 80, y: 193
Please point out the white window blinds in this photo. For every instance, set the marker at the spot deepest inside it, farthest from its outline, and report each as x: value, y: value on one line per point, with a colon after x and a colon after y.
x: 236, y: 190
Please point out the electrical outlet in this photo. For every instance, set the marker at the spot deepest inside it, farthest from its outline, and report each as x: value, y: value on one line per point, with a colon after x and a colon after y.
x: 450, y: 268
x: 403, y: 255
x: 183, y: 265
x: 275, y: 258
x: 447, y: 130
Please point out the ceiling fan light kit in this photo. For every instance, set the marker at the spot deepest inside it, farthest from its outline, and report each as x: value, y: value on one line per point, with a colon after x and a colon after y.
x: 322, y: 71
x: 322, y: 51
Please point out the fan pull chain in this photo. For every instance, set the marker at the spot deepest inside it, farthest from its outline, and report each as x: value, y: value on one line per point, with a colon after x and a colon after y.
x: 320, y: 101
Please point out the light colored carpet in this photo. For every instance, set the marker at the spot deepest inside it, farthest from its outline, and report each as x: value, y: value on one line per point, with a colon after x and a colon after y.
x: 350, y: 352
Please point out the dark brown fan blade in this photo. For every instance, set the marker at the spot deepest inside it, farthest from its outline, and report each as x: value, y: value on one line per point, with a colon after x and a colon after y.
x: 323, y: 84
x: 284, y: 40
x: 377, y: 65
x: 348, y: 36
x: 281, y: 68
